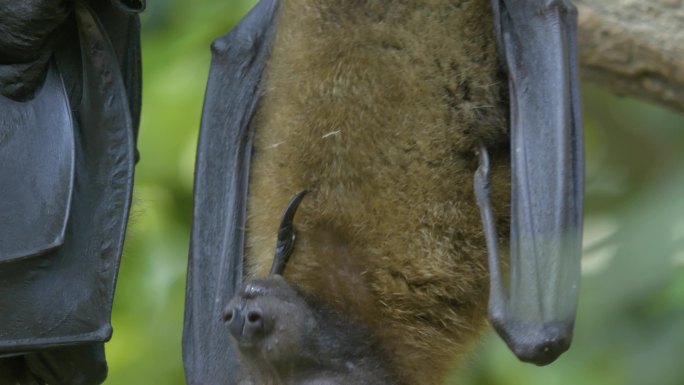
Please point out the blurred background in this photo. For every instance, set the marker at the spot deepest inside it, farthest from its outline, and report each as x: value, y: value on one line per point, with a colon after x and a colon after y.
x: 630, y: 327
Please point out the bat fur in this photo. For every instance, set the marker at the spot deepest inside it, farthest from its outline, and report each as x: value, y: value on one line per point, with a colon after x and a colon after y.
x: 376, y: 107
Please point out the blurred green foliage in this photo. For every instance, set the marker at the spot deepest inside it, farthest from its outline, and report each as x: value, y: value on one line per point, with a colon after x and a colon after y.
x: 630, y: 327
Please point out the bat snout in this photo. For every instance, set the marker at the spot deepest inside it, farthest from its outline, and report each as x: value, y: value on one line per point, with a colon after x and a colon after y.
x: 245, y: 322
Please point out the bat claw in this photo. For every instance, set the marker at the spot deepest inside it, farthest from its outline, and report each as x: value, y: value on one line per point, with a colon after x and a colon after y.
x: 286, y: 235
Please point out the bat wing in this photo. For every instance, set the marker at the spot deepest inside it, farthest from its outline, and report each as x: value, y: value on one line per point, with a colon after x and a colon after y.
x: 122, y: 27
x: 535, y: 313
x: 37, y: 141
x: 37, y: 173
x: 64, y: 296
x: 215, y: 264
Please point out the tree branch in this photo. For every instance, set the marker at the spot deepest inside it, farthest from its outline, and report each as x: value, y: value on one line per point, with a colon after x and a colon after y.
x: 634, y: 47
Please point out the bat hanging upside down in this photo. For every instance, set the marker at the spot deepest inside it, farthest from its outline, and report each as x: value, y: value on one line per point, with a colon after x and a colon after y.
x: 396, y: 116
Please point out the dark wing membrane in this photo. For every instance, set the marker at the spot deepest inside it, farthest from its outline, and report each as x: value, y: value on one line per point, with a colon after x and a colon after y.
x: 56, y: 306
x: 37, y: 172
x: 221, y: 179
x: 536, y: 312
x: 65, y: 296
x: 123, y: 29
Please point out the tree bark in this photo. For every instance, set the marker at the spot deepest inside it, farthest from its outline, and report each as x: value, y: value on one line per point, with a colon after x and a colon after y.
x: 634, y: 47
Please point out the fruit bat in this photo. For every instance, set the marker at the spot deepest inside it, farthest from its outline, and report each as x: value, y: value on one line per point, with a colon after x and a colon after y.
x: 426, y: 134
x: 69, y: 109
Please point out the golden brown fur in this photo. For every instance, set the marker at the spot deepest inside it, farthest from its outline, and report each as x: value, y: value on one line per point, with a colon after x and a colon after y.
x: 376, y: 106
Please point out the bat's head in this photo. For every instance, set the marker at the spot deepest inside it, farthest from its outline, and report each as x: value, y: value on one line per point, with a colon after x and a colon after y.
x: 282, y: 332
x: 269, y: 319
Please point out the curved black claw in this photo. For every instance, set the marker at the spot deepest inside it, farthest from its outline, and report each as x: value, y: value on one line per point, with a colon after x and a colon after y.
x: 286, y: 235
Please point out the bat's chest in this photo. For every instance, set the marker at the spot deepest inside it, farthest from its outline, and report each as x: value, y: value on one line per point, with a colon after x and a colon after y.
x: 351, y: 88
x: 375, y: 108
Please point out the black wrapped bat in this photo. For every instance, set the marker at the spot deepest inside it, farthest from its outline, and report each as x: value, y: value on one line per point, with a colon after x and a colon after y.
x: 385, y: 112
x: 69, y: 110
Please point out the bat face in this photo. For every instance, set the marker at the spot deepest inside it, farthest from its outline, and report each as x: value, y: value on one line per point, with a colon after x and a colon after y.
x: 286, y: 337
x: 269, y: 321
x: 535, y: 314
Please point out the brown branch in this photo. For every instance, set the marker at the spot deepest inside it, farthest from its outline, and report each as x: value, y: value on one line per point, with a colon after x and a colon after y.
x: 634, y: 47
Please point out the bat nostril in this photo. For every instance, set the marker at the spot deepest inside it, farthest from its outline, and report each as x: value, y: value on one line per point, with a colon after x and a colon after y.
x: 228, y: 315
x: 233, y: 317
x: 254, y: 317
x: 254, y: 323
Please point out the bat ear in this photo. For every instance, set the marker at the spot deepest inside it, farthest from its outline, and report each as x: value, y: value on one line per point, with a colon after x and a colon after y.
x: 131, y: 6
x: 286, y: 235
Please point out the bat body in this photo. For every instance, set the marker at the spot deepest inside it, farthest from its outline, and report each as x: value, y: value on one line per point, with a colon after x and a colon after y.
x: 379, y: 117
x: 386, y: 111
